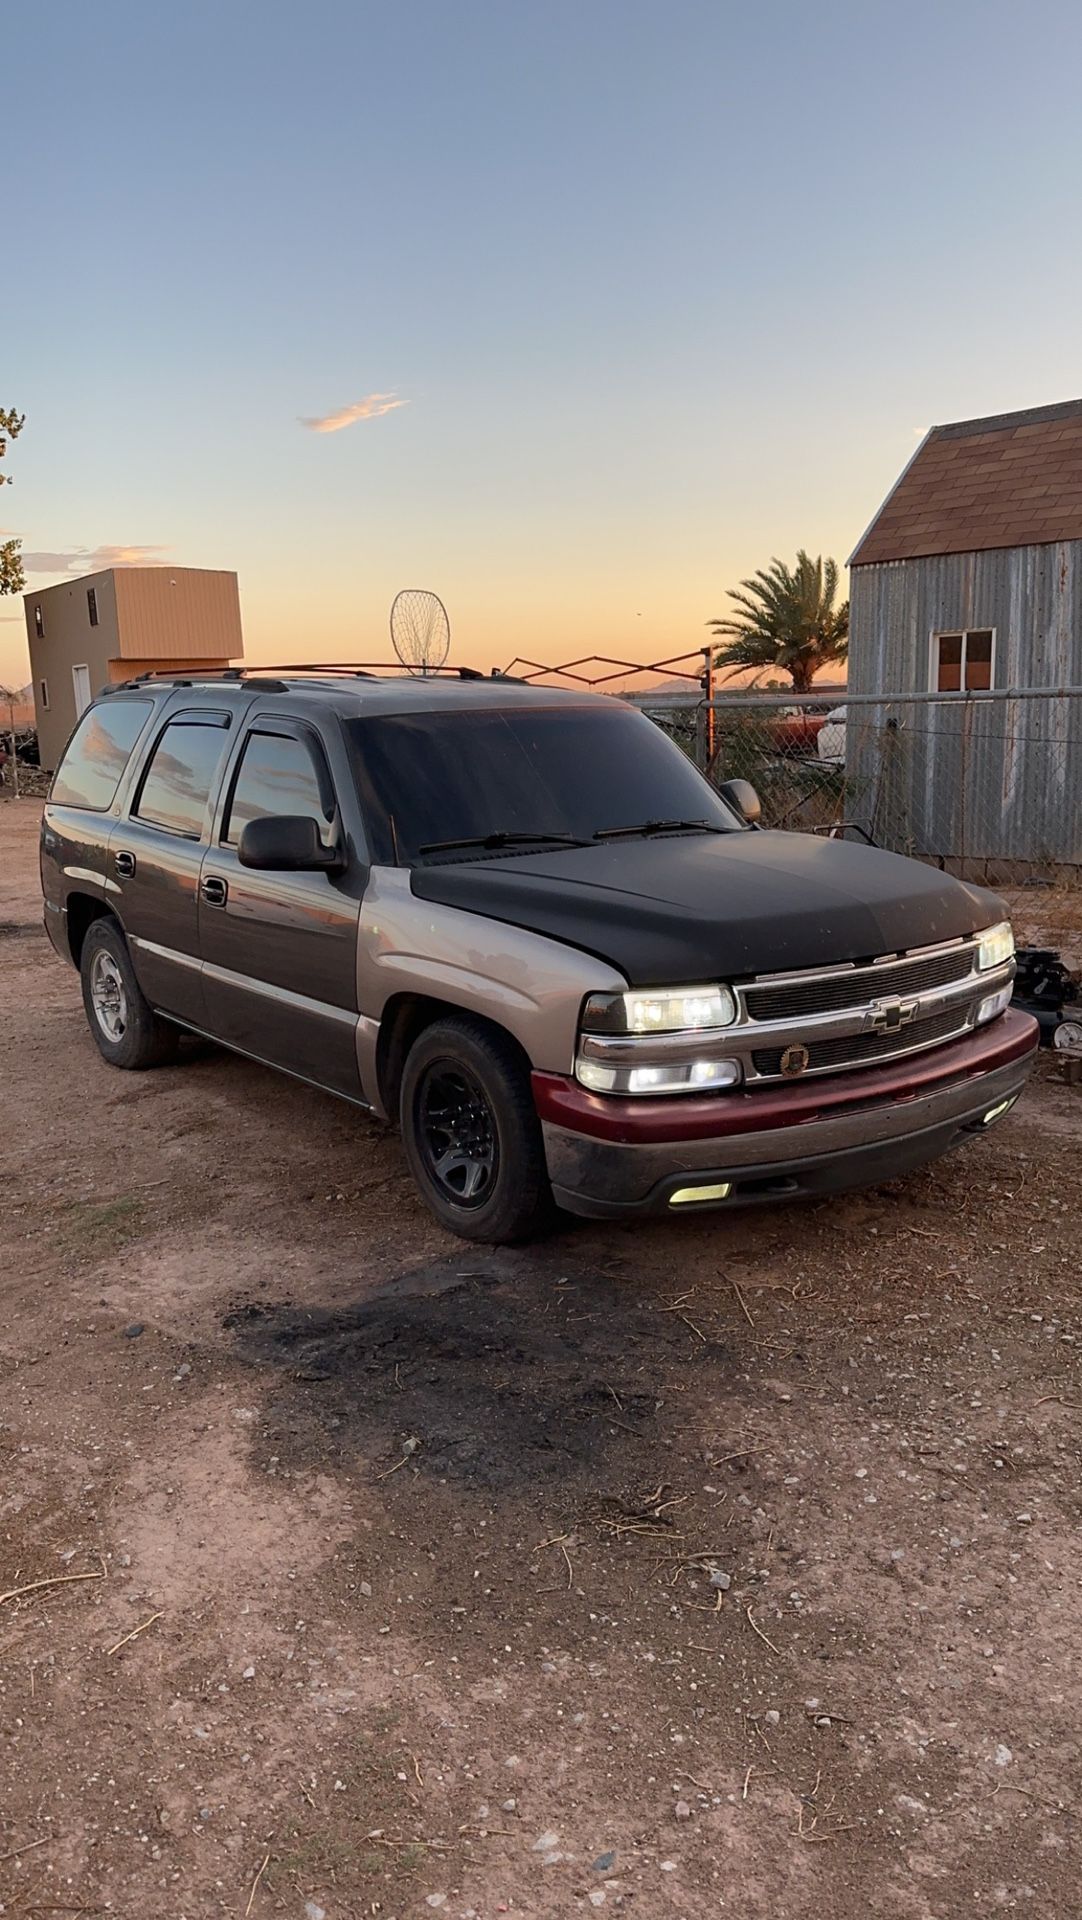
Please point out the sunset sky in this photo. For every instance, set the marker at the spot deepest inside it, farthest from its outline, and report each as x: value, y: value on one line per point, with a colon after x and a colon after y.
x: 574, y: 310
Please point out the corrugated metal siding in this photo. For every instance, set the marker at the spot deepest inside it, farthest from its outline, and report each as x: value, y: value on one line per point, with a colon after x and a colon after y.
x: 995, y: 780
x: 178, y: 613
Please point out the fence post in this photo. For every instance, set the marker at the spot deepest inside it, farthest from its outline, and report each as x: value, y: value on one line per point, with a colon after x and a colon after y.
x: 967, y: 728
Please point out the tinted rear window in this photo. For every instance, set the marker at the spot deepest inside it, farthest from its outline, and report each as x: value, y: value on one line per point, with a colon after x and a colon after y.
x: 427, y: 777
x: 178, y: 780
x: 97, y: 754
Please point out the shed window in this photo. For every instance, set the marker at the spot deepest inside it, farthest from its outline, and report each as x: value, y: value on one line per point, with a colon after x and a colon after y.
x: 92, y: 605
x: 963, y: 662
x: 44, y: 685
x: 39, y: 623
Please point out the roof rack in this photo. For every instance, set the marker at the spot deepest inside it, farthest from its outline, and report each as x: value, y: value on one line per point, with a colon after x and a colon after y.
x: 267, y: 680
x: 375, y: 669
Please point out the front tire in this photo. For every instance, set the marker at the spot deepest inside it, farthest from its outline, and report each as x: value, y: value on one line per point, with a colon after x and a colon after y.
x: 471, y: 1133
x: 127, y: 1030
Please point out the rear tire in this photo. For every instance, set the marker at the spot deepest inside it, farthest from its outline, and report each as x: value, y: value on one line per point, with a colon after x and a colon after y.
x: 471, y: 1133
x: 127, y: 1030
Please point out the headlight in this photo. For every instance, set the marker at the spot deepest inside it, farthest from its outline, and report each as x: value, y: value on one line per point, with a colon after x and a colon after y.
x: 667, y: 1041
x: 995, y: 947
x: 672, y: 1010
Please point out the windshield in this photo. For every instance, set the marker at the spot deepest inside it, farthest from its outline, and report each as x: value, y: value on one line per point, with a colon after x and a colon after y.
x: 565, y: 772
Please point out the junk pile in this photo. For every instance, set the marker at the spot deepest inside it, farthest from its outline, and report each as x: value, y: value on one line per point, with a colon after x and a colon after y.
x: 1043, y: 987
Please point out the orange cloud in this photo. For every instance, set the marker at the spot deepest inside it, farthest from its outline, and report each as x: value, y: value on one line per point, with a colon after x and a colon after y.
x: 370, y: 408
x: 94, y: 559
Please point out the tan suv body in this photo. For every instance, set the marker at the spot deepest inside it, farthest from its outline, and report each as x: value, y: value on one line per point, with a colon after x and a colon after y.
x: 521, y: 924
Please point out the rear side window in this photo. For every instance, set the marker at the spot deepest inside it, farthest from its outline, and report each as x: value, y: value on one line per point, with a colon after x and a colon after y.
x: 97, y: 754
x: 278, y: 774
x: 179, y: 777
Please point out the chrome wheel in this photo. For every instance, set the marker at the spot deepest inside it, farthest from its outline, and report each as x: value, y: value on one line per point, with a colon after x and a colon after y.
x: 108, y: 997
x: 456, y: 1132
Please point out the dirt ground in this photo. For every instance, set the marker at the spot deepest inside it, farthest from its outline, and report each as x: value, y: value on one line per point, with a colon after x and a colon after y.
x: 678, y: 1570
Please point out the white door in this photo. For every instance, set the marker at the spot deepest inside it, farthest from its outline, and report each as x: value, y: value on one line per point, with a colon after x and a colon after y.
x: 80, y: 679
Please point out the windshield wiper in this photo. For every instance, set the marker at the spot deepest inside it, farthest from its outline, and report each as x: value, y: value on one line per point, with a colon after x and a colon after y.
x: 495, y: 840
x: 657, y: 826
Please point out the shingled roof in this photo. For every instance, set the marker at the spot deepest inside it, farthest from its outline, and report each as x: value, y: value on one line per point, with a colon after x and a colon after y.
x: 1013, y: 480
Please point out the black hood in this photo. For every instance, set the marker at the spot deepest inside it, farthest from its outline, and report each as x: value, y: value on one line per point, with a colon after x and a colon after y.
x: 718, y: 906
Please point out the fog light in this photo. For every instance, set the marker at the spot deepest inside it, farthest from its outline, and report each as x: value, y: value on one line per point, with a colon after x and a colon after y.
x: 996, y: 1113
x: 995, y: 1003
x: 686, y: 1196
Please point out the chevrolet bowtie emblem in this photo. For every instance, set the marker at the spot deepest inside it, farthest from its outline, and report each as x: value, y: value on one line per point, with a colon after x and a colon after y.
x: 890, y: 1016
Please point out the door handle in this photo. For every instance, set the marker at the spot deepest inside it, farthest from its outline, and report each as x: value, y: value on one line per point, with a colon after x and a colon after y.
x: 124, y: 864
x: 214, y: 891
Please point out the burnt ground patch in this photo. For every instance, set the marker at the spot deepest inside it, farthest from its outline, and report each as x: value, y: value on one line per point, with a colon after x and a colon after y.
x: 527, y: 1367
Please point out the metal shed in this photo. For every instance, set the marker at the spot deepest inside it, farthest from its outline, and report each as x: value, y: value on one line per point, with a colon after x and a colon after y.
x: 967, y: 590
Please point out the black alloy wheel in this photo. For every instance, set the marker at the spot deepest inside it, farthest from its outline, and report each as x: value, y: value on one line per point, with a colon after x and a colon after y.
x: 471, y: 1132
x: 456, y: 1133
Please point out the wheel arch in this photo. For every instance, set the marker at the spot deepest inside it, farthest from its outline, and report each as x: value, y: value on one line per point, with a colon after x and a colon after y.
x: 81, y: 910
x: 405, y: 1018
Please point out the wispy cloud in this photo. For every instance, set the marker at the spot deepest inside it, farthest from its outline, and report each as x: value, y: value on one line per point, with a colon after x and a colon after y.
x: 95, y: 559
x: 370, y: 408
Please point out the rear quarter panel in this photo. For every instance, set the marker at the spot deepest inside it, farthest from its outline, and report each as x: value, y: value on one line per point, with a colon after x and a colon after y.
x: 73, y: 846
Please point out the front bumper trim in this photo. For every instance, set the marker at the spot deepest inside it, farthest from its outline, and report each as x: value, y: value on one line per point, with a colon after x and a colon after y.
x: 775, y: 1145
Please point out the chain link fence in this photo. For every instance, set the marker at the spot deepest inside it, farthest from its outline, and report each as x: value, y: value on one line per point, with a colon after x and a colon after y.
x: 987, y: 785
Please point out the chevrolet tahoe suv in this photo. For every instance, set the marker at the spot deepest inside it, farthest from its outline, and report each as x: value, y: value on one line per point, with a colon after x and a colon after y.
x: 523, y: 925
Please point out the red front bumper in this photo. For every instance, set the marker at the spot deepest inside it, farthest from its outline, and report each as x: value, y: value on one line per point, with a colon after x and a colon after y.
x: 561, y: 1102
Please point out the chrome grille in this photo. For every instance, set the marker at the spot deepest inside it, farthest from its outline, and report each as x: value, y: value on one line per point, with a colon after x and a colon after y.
x: 864, y: 1049
x: 826, y: 993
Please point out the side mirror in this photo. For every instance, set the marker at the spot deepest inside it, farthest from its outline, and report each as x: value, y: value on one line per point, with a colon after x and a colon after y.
x: 743, y: 798
x: 286, y: 843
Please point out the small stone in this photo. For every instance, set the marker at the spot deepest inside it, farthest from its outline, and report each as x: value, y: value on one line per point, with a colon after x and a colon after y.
x: 312, y: 1912
x: 435, y: 1899
x: 596, y: 1897
x: 133, y: 1332
x: 682, y: 1811
x: 248, y: 1674
x: 546, y: 1842
x: 720, y: 1581
x: 668, y: 1866
x: 1024, y: 1519
x: 604, y: 1863
x: 1004, y: 1756
x: 772, y: 1717
x: 509, y: 1806
x: 551, y: 1859
x: 366, y: 1589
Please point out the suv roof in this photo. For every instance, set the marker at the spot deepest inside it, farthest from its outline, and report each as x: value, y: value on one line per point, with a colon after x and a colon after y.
x: 357, y: 690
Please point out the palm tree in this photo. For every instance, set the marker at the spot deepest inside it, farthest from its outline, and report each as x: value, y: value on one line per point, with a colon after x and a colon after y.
x: 786, y: 619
